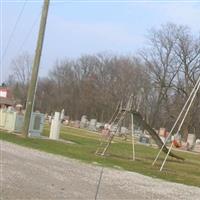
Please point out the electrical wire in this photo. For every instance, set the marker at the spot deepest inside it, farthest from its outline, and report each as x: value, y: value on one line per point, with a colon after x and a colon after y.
x: 29, y: 33
x: 14, y: 29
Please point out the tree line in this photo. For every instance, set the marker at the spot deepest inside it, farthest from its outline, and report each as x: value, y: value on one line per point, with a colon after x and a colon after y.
x: 160, y: 76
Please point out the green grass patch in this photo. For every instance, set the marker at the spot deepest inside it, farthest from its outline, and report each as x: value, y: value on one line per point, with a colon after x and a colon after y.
x: 119, y: 155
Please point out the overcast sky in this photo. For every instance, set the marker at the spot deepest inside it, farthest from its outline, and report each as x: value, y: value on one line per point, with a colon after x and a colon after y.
x: 76, y: 28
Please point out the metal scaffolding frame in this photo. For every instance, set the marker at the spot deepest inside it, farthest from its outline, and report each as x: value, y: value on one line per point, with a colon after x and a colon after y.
x: 183, y: 114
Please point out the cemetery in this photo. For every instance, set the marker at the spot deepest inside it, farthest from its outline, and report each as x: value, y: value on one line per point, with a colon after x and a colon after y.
x: 109, y: 144
x: 134, y: 145
x: 106, y: 105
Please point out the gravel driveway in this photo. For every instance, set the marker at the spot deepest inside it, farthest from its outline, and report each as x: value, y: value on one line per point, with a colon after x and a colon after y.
x: 31, y: 174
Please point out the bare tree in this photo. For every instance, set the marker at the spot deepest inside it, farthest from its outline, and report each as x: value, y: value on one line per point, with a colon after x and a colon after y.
x: 162, y: 65
x: 21, y: 70
x: 162, y: 77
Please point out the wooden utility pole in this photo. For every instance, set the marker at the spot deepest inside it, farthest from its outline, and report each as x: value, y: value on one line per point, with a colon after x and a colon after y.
x: 133, y: 136
x: 35, y: 69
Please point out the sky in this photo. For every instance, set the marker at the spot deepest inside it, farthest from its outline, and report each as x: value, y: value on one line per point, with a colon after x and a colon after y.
x: 76, y: 28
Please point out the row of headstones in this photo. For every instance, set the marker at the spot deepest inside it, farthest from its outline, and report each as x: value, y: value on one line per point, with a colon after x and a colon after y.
x: 56, y: 120
x: 91, y: 125
x: 11, y: 120
x: 94, y: 125
x: 191, y: 144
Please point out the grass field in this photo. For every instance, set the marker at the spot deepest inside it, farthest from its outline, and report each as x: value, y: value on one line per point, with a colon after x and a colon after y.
x: 84, y: 145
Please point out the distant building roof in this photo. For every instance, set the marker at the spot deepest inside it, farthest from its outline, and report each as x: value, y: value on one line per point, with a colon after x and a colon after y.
x: 6, y: 101
x: 6, y: 97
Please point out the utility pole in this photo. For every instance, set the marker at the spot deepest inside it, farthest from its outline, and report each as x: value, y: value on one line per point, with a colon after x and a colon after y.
x: 133, y: 136
x: 35, y: 69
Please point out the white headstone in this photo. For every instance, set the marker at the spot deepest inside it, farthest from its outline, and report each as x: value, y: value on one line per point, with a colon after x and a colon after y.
x: 83, y: 122
x: 55, y: 127
x: 99, y: 124
x: 191, y: 139
x: 92, y: 124
x: 124, y: 130
x: 197, y: 146
x: 62, y: 115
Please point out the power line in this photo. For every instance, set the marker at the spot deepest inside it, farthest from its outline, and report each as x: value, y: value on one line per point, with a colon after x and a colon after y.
x: 14, y: 28
x: 29, y: 33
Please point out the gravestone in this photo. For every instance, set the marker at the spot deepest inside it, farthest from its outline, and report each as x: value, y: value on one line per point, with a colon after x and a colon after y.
x: 144, y: 139
x: 83, y: 123
x: 99, y: 126
x: 191, y: 140
x: 77, y: 124
x: 124, y: 130
x: 162, y: 132
x: 36, y: 124
x: 55, y: 127
x: 62, y: 115
x: 92, y: 125
x: 12, y: 121
x: 197, y: 146
x: 114, y: 128
x: 19, y: 123
x: 2, y: 118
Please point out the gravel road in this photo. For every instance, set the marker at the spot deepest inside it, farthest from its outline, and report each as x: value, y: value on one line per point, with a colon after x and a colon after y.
x: 31, y: 174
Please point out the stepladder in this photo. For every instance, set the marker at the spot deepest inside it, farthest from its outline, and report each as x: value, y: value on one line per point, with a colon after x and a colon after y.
x: 113, y: 128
